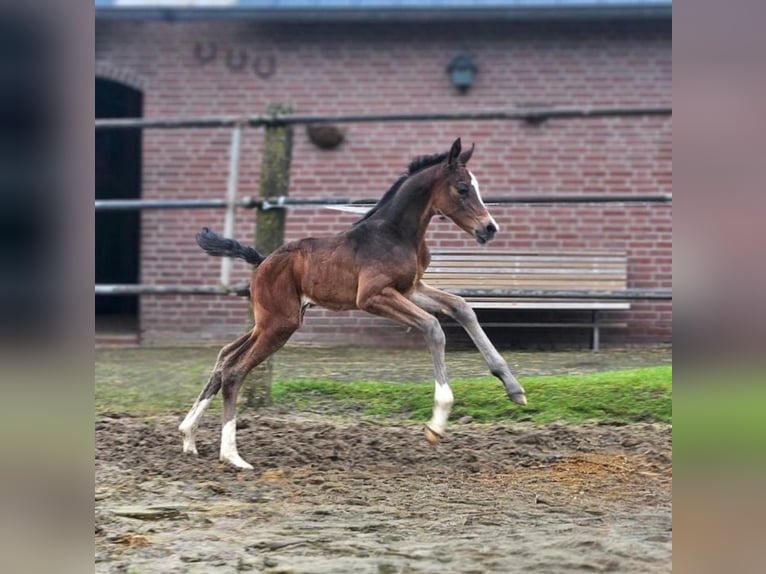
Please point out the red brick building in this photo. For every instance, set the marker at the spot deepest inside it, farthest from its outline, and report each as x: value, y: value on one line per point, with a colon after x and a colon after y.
x: 180, y: 62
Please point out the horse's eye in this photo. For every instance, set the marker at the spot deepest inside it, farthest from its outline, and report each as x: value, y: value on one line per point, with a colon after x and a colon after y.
x: 462, y: 189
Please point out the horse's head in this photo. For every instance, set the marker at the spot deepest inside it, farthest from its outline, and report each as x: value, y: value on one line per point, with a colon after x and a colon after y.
x: 458, y: 196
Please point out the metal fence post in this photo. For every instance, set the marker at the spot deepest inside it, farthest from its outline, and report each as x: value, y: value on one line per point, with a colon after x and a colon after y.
x: 270, y: 224
x: 231, y: 198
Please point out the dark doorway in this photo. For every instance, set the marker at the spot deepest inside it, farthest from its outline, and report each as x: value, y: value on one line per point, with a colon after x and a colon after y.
x: 118, y: 176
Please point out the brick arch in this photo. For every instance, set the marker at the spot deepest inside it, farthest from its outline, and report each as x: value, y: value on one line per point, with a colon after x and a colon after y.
x: 107, y: 71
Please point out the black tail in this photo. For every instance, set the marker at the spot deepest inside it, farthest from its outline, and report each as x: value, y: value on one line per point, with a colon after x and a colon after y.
x: 214, y: 244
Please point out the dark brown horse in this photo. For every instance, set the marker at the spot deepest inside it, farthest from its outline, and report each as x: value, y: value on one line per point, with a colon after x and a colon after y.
x: 377, y: 266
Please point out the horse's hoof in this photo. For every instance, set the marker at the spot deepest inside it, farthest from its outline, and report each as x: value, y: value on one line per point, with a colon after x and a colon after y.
x: 519, y: 399
x: 432, y: 436
x: 189, y: 446
x: 237, y: 462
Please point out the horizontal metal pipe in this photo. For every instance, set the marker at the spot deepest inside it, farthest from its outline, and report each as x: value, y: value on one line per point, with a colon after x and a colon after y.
x: 314, y: 12
x: 124, y: 289
x: 583, y: 198
x: 534, y: 115
x: 283, y: 202
x: 625, y: 295
x: 525, y: 114
x: 137, y: 204
x: 177, y: 123
x: 280, y: 202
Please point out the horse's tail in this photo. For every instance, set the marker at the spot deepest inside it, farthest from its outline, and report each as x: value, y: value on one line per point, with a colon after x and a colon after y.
x: 213, y: 244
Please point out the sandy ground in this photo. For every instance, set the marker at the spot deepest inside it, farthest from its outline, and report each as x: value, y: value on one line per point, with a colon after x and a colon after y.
x: 334, y: 496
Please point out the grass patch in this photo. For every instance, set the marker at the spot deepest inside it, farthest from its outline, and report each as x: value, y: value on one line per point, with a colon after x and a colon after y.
x: 614, y: 397
x: 155, y: 381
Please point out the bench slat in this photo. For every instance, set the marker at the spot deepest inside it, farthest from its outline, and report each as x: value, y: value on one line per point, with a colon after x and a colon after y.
x: 529, y: 258
x: 439, y: 267
x: 517, y: 282
x: 527, y: 275
x: 519, y: 270
x: 547, y: 261
x: 606, y: 324
x: 538, y: 254
x: 549, y: 304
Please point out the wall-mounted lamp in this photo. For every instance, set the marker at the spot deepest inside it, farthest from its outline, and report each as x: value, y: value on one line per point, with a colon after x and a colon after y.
x: 462, y: 71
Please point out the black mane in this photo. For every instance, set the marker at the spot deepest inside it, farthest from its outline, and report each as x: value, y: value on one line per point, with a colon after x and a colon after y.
x: 424, y: 161
x: 416, y: 165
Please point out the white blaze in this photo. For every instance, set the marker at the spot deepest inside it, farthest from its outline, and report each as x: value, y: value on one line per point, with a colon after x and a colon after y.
x: 475, y: 184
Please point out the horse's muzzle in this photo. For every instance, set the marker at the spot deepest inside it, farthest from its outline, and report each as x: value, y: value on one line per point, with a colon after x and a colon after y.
x: 485, y: 234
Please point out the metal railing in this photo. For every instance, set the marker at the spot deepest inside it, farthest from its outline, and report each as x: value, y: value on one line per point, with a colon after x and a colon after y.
x: 283, y: 202
x: 532, y: 116
x: 529, y: 115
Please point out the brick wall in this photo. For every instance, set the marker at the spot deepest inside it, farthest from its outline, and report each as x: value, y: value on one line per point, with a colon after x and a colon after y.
x: 326, y: 68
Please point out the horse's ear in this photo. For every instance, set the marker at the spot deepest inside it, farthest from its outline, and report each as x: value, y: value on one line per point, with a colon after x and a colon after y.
x: 454, y: 152
x: 466, y: 155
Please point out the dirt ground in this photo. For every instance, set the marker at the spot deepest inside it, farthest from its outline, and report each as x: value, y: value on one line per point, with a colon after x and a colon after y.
x: 339, y: 496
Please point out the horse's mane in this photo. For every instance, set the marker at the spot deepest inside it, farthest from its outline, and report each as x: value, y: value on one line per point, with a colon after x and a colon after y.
x: 416, y: 165
x: 422, y: 162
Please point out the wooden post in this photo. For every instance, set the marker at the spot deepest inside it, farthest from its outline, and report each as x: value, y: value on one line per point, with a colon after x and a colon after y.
x: 270, y: 226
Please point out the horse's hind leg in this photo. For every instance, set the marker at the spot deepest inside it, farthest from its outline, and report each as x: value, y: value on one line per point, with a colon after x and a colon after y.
x: 189, y: 425
x: 265, y: 342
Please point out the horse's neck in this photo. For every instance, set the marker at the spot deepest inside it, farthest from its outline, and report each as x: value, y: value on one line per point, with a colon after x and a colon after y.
x: 410, y: 209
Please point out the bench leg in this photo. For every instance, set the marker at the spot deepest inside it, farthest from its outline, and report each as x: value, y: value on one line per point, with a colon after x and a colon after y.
x: 596, y: 340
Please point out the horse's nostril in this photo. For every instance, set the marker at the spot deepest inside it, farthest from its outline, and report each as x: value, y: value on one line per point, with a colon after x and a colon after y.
x: 491, y: 228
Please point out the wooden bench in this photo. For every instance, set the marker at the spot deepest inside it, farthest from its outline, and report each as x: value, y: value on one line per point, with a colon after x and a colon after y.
x: 466, y: 272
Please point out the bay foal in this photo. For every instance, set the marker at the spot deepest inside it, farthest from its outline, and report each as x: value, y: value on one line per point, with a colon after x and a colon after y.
x: 377, y: 266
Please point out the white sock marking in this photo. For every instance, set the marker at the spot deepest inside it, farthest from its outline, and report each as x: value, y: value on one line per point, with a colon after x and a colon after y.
x: 475, y: 184
x: 229, y: 439
x: 229, y: 446
x: 189, y: 425
x: 192, y: 419
x: 443, y: 400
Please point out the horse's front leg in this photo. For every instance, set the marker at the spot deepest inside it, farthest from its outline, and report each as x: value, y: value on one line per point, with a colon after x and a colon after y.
x: 393, y: 305
x: 436, y: 301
